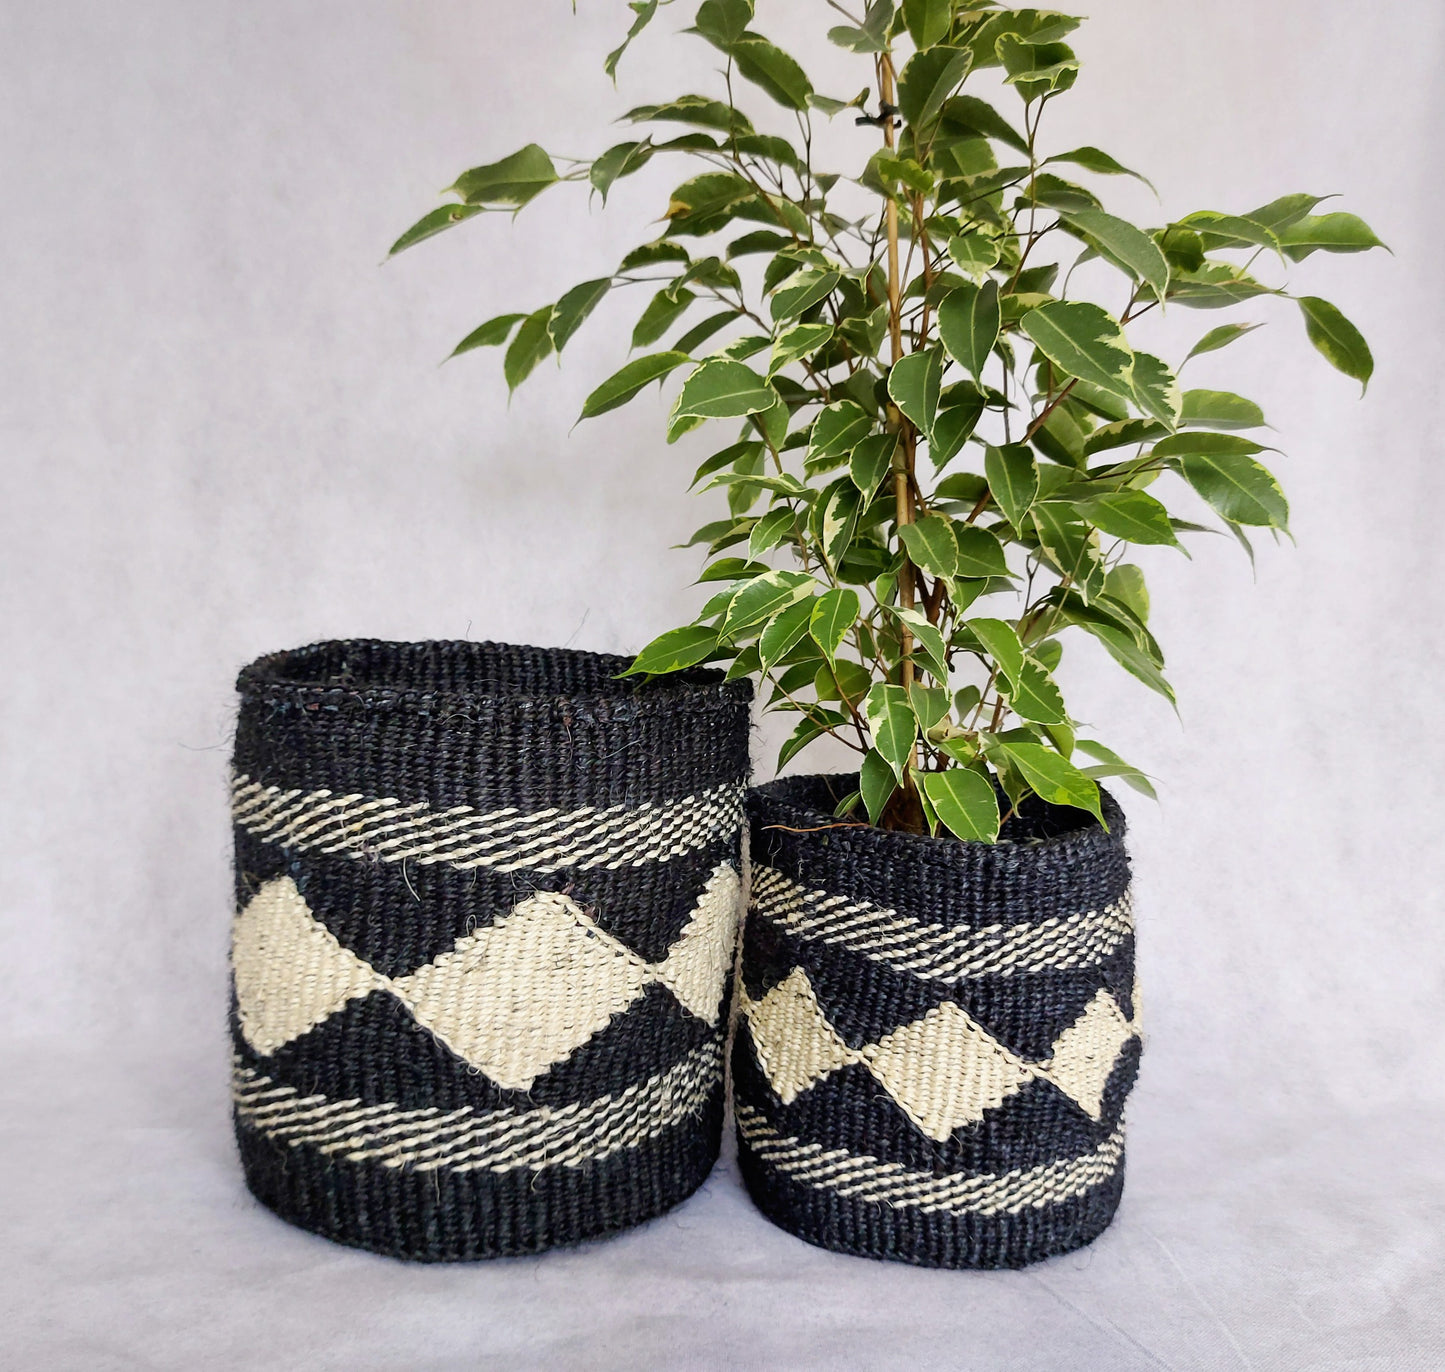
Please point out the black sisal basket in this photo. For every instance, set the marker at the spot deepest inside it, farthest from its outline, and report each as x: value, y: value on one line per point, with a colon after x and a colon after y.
x: 936, y: 1037
x: 487, y: 901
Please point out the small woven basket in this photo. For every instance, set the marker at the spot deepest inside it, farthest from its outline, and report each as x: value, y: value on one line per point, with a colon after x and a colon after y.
x: 936, y: 1038
x: 487, y: 901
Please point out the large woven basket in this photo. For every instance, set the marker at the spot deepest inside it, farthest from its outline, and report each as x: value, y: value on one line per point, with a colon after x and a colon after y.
x: 487, y: 900
x: 936, y: 1037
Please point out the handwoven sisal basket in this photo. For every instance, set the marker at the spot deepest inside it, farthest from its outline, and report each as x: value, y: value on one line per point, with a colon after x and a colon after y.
x: 936, y: 1038
x: 487, y: 901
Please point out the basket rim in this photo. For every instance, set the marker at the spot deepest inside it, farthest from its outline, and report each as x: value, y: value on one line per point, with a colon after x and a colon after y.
x: 283, y: 677
x: 787, y: 798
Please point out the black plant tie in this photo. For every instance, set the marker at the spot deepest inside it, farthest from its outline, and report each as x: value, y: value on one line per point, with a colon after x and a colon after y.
x: 885, y: 113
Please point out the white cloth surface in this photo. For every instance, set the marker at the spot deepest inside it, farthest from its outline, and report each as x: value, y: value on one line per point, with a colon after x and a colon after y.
x: 1246, y: 1240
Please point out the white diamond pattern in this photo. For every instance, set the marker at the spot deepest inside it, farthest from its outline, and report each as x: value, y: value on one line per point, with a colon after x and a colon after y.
x: 944, y: 1070
x: 513, y: 998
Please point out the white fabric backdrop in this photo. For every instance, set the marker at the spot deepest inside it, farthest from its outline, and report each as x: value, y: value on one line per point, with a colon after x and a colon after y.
x: 224, y: 431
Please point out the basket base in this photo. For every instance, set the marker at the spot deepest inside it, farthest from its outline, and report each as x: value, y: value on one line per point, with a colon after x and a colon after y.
x: 895, y: 1233
x: 451, y: 1216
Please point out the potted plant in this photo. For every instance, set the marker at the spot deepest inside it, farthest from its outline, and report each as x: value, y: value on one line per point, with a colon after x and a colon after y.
x: 952, y: 453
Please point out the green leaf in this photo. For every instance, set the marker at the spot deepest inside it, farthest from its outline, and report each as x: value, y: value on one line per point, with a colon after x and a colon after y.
x: 740, y: 349
x: 1068, y: 542
x: 839, y: 520
x: 1036, y: 69
x: 1051, y: 777
x: 890, y: 718
x: 929, y: 79
x: 965, y: 802
x: 1001, y: 642
x: 913, y: 383
x: 877, y: 781
x: 833, y: 614
x: 531, y: 344
x: 1288, y: 209
x: 796, y: 343
x: 513, y: 181
x: 928, y: 643
x: 429, y: 225
x: 970, y: 114
x: 1036, y: 697
x: 1156, y: 389
x: 1122, y: 647
x: 573, y: 308
x: 674, y: 650
x: 762, y: 597
x: 1220, y: 337
x: 1095, y: 160
x: 844, y: 680
x: 835, y: 431
x: 1214, y: 286
x: 622, y: 385
x: 1132, y: 515
x: 930, y: 544
x: 771, y: 69
x: 871, y: 461
x: 979, y: 552
x: 697, y: 110
x: 785, y: 629
x: 1220, y: 410
x: 968, y: 324
x: 1229, y: 231
x: 1237, y: 487
x: 724, y: 21
x: 773, y: 528
x: 662, y: 311
x: 700, y: 333
x: 759, y: 240
x: 721, y: 388
x: 855, y: 39
x: 928, y: 21
x: 974, y: 254
x: 1114, y: 766
x: 1121, y: 433
x: 644, y: 10
x: 492, y: 334
x: 619, y: 160
x: 1031, y: 26
x: 1128, y: 248
x: 954, y: 424
x: 801, y: 291
x: 1328, y: 233
x: 649, y: 254
x: 815, y: 725
x: 1125, y: 583
x: 1013, y: 480
x: 1339, y: 341
x: 707, y: 202
x: 930, y: 705
x: 1083, y: 340
x: 1178, y: 445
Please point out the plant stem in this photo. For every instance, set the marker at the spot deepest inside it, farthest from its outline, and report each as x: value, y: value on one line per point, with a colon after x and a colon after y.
x: 903, y: 471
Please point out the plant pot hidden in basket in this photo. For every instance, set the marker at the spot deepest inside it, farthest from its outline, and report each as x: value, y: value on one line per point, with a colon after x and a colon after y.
x: 936, y: 1037
x: 487, y: 900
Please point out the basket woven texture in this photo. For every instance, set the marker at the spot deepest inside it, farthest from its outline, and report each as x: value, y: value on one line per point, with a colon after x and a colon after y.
x: 487, y: 900
x: 936, y: 1038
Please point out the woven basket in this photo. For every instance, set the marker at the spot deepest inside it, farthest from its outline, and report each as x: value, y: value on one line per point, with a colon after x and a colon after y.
x: 487, y: 903
x: 936, y: 1038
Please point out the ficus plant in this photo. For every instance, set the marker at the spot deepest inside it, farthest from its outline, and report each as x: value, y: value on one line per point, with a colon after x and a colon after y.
x: 946, y: 448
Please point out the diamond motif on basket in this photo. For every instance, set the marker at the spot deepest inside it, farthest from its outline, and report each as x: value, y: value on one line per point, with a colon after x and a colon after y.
x: 513, y: 998
x: 943, y: 1070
